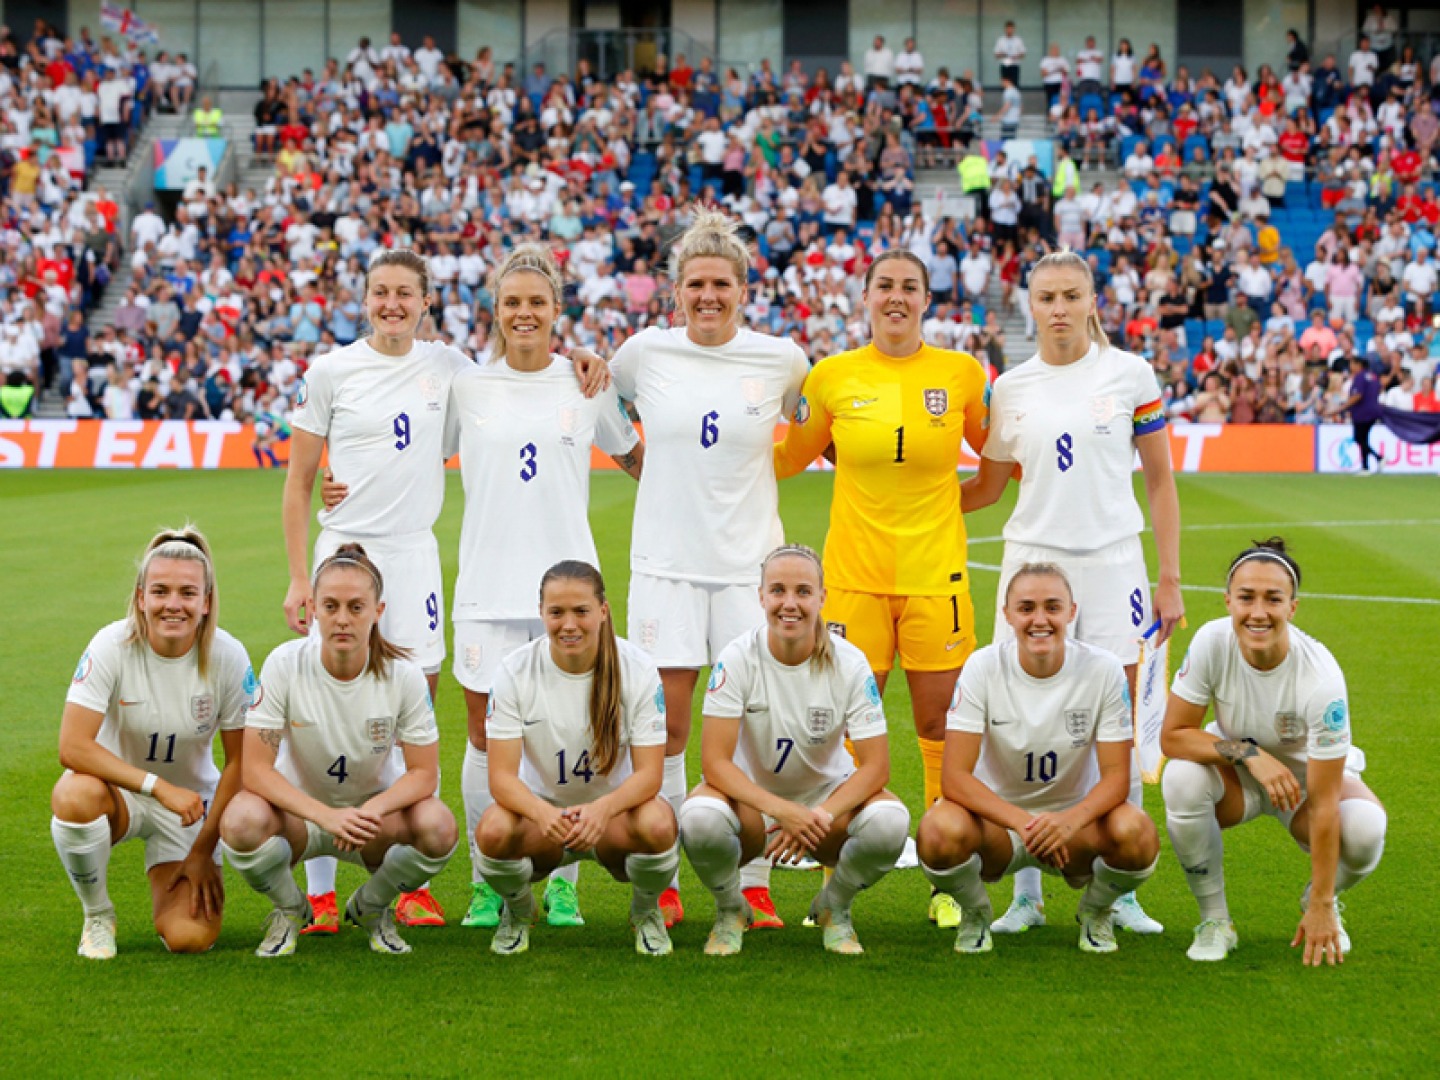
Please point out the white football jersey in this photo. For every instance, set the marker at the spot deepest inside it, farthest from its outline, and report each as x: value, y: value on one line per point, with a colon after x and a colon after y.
x: 549, y: 710
x: 383, y: 421
x: 160, y: 715
x: 1295, y: 712
x: 708, y: 506
x: 525, y: 441
x: 1072, y: 428
x: 794, y: 720
x: 1038, y: 751
x: 338, y: 736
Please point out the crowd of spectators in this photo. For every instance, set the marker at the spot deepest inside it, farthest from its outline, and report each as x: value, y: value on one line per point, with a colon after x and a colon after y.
x: 1248, y: 237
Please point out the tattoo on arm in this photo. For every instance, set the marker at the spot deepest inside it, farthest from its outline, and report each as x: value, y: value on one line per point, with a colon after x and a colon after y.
x: 1235, y: 750
x: 271, y: 739
x: 629, y: 463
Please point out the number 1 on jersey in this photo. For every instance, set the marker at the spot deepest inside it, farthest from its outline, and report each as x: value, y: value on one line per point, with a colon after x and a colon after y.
x: 900, y: 445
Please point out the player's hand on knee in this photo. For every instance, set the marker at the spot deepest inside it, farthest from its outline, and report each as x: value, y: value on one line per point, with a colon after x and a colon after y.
x: 1277, y: 780
x: 207, y: 886
x: 554, y: 824
x: 182, y: 801
x: 587, y: 825
x: 808, y: 826
x: 353, y: 827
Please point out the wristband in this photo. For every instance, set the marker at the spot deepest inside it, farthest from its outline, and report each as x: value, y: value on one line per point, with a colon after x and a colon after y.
x: 147, y: 786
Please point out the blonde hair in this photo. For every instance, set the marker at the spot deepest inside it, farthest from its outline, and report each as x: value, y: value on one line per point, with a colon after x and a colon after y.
x: 186, y: 544
x: 605, y: 688
x: 536, y: 259
x: 713, y: 235
x: 382, y: 650
x: 1065, y: 259
x: 823, y: 658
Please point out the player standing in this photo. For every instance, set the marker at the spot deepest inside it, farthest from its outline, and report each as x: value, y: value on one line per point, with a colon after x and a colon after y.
x: 1073, y: 418
x: 782, y: 701
x: 576, y: 736
x: 320, y: 773
x: 378, y: 407
x: 709, y: 394
x: 1279, y: 746
x: 1037, y: 763
x: 136, y: 739
x: 897, y: 410
x: 525, y: 432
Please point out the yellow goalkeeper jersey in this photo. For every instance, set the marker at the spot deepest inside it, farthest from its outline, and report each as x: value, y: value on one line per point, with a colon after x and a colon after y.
x: 897, y: 423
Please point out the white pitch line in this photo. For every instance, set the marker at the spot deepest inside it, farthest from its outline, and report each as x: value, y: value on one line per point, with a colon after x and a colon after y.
x: 1422, y: 600
x: 1213, y: 527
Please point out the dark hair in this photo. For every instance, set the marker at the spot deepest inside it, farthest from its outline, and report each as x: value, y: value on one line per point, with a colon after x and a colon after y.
x: 1273, y: 549
x: 605, y: 690
x: 1038, y: 569
x: 382, y: 651
x: 904, y: 256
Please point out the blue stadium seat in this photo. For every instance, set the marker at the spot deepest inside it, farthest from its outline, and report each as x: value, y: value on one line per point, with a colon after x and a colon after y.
x: 1092, y: 101
x: 1215, y: 328
x: 1194, y: 331
x: 1161, y: 142
x: 1127, y: 146
x: 1197, y: 142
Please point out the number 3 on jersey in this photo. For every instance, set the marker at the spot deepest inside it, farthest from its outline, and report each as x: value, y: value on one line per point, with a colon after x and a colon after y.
x: 709, y: 429
x: 528, y: 468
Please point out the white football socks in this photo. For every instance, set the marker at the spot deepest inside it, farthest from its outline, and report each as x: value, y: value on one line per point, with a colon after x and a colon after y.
x: 84, y: 850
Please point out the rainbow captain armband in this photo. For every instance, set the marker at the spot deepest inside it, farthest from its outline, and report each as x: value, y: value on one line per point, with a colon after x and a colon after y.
x: 1150, y: 417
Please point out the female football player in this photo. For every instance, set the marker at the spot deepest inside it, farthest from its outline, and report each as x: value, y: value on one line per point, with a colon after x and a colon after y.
x: 709, y: 394
x: 136, y: 739
x: 525, y: 432
x: 1279, y: 745
x: 379, y: 407
x: 897, y: 410
x: 576, y: 740
x: 1037, y: 766
x: 320, y: 775
x: 1073, y: 418
x: 782, y: 701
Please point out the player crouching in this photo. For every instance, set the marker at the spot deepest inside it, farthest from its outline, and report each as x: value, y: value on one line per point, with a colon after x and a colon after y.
x: 782, y: 700
x: 576, y: 738
x: 1037, y: 767
x: 320, y: 778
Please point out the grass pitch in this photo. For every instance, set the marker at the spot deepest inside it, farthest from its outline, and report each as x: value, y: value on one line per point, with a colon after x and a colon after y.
x: 582, y: 1002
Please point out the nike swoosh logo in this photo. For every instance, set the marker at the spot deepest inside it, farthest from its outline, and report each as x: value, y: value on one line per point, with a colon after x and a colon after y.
x: 953, y: 645
x: 1019, y: 416
x: 529, y: 723
x: 141, y: 701
x: 860, y: 403
x: 997, y: 722
x: 754, y: 708
x: 480, y: 421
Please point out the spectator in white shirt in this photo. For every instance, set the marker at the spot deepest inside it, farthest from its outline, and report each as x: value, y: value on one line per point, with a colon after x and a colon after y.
x: 879, y: 65
x: 1054, y: 70
x: 1009, y: 51
x: 839, y: 201
x: 1139, y: 164
x: 1402, y: 395
x: 428, y: 58
x: 910, y: 65
x: 1089, y: 69
x: 1381, y: 27
x: 1420, y: 280
x: 1363, y: 63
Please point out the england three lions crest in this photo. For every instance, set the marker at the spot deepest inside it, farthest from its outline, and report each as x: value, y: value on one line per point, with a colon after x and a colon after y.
x: 819, y: 721
x: 937, y: 402
x: 1077, y: 724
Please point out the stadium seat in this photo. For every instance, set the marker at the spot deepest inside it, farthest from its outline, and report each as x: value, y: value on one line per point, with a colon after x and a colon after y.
x: 1196, y: 142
